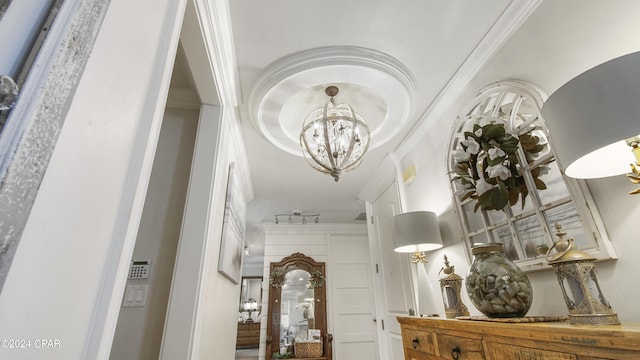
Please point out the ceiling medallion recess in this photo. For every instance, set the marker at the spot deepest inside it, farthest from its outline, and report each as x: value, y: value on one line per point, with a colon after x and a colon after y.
x: 334, y: 138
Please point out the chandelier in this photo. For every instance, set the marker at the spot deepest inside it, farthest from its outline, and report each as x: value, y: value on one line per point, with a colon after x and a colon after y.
x: 334, y: 138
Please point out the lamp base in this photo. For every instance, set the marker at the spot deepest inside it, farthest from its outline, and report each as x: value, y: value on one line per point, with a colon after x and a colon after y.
x: 594, y: 319
x: 419, y: 257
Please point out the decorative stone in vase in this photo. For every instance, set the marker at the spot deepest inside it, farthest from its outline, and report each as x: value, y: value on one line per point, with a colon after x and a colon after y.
x: 496, y: 286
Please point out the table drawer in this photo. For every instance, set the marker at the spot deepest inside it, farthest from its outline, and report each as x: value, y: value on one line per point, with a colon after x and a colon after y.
x: 420, y: 340
x: 504, y: 351
x: 461, y: 348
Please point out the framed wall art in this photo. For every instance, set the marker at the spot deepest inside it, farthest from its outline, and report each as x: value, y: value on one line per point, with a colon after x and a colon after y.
x: 233, y: 228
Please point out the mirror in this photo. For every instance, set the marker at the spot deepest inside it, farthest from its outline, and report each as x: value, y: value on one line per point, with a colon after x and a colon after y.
x: 297, y: 320
x: 250, y: 299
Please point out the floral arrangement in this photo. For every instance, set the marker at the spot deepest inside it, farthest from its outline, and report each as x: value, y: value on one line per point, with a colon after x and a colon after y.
x: 488, y: 168
x: 316, y: 279
x: 276, y: 279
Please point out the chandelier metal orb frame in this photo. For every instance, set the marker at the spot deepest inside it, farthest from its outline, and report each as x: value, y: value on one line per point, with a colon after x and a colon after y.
x: 334, y: 138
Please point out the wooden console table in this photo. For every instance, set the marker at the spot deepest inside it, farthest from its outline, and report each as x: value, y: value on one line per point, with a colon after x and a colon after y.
x: 248, y: 335
x: 433, y: 338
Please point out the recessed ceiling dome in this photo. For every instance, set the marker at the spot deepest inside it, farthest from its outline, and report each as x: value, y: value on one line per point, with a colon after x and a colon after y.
x: 377, y: 86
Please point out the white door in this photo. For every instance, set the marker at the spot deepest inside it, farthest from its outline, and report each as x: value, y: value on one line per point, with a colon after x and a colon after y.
x: 352, y: 304
x: 394, y: 295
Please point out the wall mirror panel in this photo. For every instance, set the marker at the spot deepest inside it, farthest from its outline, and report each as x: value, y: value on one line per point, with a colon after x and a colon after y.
x: 297, y: 322
x: 525, y: 224
x: 250, y: 298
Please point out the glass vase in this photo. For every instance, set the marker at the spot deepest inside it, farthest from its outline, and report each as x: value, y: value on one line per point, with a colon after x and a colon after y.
x: 496, y: 286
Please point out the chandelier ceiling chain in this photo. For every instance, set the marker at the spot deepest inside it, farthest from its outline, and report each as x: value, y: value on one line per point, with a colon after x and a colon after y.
x: 334, y: 139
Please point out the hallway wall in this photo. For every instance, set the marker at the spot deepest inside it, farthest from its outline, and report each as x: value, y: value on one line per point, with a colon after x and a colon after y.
x: 67, y: 278
x: 555, y: 44
x: 139, y: 330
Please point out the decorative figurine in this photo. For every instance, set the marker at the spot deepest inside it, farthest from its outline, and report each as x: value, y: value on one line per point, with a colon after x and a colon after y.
x: 450, y: 286
x: 579, y: 283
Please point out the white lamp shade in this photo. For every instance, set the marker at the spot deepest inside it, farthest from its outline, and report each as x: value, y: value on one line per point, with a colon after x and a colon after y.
x: 590, y: 117
x: 416, y: 231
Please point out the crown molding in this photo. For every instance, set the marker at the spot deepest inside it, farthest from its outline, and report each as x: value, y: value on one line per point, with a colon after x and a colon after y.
x: 215, y: 26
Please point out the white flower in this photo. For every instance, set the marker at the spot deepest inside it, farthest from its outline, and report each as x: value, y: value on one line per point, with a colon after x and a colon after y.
x: 499, y: 171
x: 485, y: 120
x: 482, y: 186
x: 496, y: 152
x: 472, y: 145
x: 461, y: 155
x: 489, y: 120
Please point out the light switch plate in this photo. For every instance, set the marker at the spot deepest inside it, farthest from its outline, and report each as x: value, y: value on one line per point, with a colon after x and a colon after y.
x: 135, y: 296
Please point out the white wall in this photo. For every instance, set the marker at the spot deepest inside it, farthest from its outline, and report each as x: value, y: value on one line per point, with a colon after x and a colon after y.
x: 139, y: 330
x: 69, y: 271
x: 559, y: 41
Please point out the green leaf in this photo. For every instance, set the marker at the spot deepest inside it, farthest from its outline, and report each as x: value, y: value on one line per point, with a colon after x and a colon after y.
x: 536, y: 172
x: 509, y: 145
x: 462, y: 166
x: 523, y: 192
x: 468, y: 134
x: 528, y: 141
x: 513, y: 196
x: 500, y: 198
x: 536, y: 149
x: 509, y: 148
x: 540, y: 185
x: 496, y: 161
x: 477, y: 206
x: 494, y: 199
x: 493, y: 131
x: 467, y: 195
x: 475, y: 127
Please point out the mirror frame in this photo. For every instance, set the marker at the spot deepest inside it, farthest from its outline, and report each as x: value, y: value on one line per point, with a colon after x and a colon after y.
x: 289, y: 263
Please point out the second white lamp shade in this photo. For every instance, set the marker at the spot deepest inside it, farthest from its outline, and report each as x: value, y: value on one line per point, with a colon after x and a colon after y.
x: 416, y: 231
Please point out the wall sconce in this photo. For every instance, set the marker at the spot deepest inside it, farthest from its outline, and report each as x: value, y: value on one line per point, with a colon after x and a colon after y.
x: 579, y: 282
x: 416, y: 232
x: 450, y: 286
x: 594, y: 120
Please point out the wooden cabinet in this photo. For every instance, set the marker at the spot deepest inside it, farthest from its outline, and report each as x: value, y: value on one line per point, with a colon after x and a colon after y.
x: 248, y: 335
x: 433, y: 338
